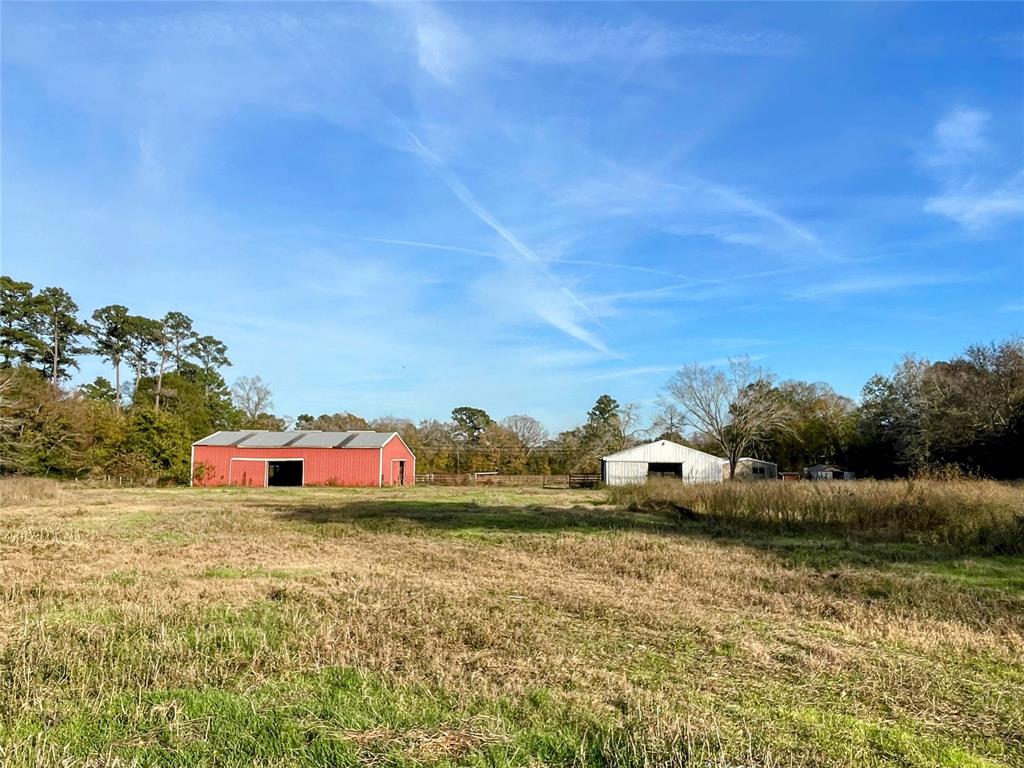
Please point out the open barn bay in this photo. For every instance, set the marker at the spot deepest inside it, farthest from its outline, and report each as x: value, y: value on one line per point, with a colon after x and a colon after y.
x: 453, y: 626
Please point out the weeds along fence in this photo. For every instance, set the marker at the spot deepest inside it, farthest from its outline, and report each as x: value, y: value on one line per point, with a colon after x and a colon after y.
x: 478, y: 478
x: 15, y: 489
x: 492, y: 478
x: 966, y: 514
x: 126, y: 481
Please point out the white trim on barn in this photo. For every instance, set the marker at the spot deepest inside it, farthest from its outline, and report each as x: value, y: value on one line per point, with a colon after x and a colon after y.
x: 660, y: 458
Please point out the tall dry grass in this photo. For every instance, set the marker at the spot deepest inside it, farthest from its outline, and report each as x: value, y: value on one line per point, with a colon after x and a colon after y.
x: 963, y: 514
x: 15, y: 489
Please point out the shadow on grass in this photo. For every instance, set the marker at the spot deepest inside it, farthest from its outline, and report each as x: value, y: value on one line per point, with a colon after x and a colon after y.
x: 797, y: 544
x: 825, y: 548
x: 452, y: 517
x: 878, y: 573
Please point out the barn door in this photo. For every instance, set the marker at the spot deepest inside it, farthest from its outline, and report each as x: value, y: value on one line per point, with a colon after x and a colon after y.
x: 247, y: 472
x: 665, y: 469
x: 287, y: 473
x: 397, y: 472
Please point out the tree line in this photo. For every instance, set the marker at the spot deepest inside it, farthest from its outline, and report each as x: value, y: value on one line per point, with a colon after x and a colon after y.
x: 168, y: 390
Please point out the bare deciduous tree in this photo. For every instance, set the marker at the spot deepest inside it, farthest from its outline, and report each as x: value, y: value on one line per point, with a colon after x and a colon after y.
x: 629, y: 423
x: 529, y: 433
x: 669, y: 423
x: 252, y: 397
x: 736, y: 407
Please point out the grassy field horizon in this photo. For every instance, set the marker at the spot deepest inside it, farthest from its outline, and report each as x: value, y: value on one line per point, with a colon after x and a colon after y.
x: 501, y: 626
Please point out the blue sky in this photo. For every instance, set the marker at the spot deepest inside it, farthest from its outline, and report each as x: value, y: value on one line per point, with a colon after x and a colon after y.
x: 405, y: 208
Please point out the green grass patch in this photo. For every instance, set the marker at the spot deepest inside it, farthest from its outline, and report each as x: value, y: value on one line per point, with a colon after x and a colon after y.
x: 1001, y: 573
x: 338, y: 717
x: 124, y: 578
x: 871, y: 743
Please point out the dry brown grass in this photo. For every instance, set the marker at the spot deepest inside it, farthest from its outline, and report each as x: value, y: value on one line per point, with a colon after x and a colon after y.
x: 518, y: 627
x: 15, y: 490
x: 962, y: 513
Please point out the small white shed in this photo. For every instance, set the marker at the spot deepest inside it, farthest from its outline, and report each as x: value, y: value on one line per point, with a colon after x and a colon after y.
x: 662, y: 458
x: 752, y: 469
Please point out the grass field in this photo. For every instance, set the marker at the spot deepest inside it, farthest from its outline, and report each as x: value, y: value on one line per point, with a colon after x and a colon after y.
x: 460, y: 626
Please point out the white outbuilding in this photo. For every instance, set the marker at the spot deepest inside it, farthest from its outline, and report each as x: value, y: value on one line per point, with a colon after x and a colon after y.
x: 662, y: 458
x: 753, y: 469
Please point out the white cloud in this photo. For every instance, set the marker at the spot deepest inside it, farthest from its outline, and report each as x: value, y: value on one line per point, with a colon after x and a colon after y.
x: 643, y: 370
x: 447, y: 48
x: 958, y: 138
x: 958, y: 157
x: 428, y: 246
x: 877, y: 284
x: 534, y: 42
x: 758, y: 210
x: 688, y: 206
x: 976, y: 208
x: 563, y: 313
x: 442, y: 49
x: 166, y: 81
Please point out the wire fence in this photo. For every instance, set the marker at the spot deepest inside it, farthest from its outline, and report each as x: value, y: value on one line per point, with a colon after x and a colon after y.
x: 493, y: 478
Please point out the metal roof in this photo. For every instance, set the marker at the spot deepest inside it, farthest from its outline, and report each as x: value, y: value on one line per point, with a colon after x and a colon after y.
x: 269, y: 440
x: 296, y: 439
x: 368, y: 439
x: 322, y: 440
x: 225, y: 438
x: 659, y: 450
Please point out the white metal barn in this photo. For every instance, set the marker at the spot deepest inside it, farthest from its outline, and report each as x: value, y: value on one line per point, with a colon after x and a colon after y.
x: 662, y: 458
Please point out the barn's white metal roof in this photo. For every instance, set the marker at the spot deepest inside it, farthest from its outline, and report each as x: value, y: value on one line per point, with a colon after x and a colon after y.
x: 660, y: 450
x: 759, y: 461
x: 255, y: 438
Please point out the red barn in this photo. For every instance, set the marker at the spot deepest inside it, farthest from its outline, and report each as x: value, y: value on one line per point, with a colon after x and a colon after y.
x: 260, y: 458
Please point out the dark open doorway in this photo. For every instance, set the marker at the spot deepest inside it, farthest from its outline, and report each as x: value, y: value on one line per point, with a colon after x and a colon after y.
x: 660, y: 469
x: 284, y: 472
